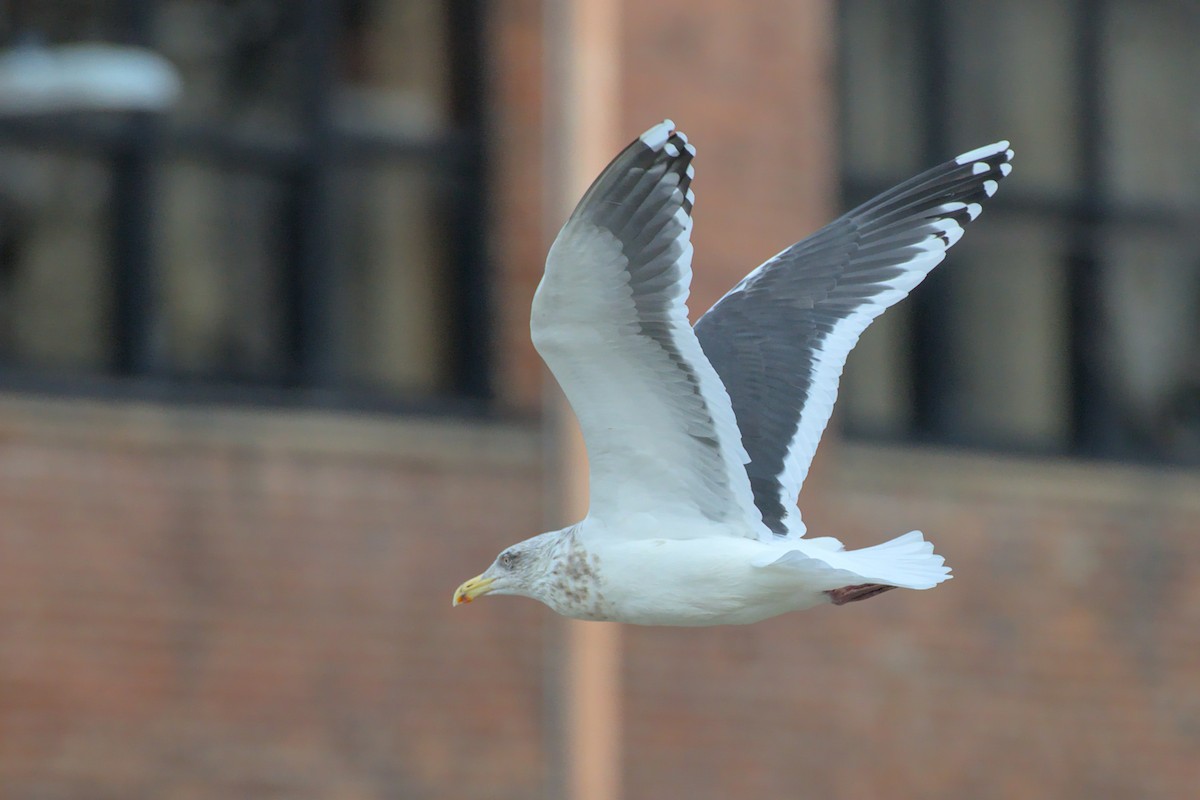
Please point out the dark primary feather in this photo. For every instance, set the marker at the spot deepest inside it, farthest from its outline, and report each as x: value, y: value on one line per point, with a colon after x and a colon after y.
x: 765, y: 336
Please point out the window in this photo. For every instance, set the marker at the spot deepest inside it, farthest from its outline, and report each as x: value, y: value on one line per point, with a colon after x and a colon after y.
x: 305, y: 221
x: 1068, y: 320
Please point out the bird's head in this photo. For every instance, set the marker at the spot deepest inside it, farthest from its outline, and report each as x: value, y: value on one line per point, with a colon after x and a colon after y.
x: 519, y: 569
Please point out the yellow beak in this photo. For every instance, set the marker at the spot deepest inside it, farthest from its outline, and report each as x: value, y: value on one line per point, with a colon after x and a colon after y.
x: 473, y: 588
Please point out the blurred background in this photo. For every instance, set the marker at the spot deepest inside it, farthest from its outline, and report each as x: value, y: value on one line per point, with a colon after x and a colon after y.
x: 267, y: 396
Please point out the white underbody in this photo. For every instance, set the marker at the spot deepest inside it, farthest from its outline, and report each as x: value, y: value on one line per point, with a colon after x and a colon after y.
x: 715, y: 578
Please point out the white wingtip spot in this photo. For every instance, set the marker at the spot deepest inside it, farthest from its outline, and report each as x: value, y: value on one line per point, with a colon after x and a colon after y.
x: 682, y: 136
x: 974, y: 210
x: 979, y: 168
x: 691, y: 197
x: 1008, y: 154
x: 657, y: 136
x: 691, y: 148
x: 691, y: 172
x: 980, y: 153
x: 950, y: 231
x: 989, y: 187
x: 1005, y: 168
x: 671, y: 150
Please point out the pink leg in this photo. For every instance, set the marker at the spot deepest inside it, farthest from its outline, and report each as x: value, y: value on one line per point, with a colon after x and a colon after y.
x: 850, y: 594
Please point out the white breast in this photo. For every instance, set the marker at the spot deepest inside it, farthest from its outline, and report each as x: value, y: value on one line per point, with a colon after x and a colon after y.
x: 691, y: 582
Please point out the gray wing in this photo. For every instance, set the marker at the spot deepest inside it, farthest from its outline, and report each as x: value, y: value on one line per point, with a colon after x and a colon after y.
x: 610, y: 320
x: 779, y: 339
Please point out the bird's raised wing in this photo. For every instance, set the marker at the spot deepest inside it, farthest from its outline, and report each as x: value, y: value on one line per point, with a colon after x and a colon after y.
x: 779, y: 339
x: 610, y: 320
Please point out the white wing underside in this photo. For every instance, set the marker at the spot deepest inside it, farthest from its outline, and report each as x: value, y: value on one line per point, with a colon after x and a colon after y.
x: 610, y: 320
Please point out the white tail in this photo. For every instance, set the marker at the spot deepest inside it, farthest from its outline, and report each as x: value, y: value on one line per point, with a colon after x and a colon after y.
x: 907, y: 561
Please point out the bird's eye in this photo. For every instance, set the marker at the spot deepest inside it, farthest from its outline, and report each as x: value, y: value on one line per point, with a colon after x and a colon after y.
x: 507, y: 560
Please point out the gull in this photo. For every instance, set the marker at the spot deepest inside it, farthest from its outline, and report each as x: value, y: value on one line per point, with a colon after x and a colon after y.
x: 699, y: 438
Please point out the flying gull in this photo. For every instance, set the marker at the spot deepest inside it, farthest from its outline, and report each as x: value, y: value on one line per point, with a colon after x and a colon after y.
x: 699, y: 438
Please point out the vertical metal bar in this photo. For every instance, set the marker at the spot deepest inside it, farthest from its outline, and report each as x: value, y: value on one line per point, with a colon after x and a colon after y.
x: 931, y: 355
x: 135, y: 312
x: 310, y: 278
x: 135, y: 321
x: 1094, y: 427
x: 470, y: 368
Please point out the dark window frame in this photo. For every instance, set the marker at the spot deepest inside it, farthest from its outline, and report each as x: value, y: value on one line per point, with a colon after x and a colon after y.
x: 132, y: 144
x: 1084, y: 213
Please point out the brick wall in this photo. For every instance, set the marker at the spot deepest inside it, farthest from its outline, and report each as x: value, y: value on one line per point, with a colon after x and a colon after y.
x: 208, y: 603
x: 202, y: 603
x: 517, y: 152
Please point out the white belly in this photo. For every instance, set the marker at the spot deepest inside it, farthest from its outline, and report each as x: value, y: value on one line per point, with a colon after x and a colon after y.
x: 709, y: 581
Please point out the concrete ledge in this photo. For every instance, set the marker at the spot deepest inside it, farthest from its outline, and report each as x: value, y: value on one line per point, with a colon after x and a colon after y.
x: 442, y: 441
x: 931, y: 472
